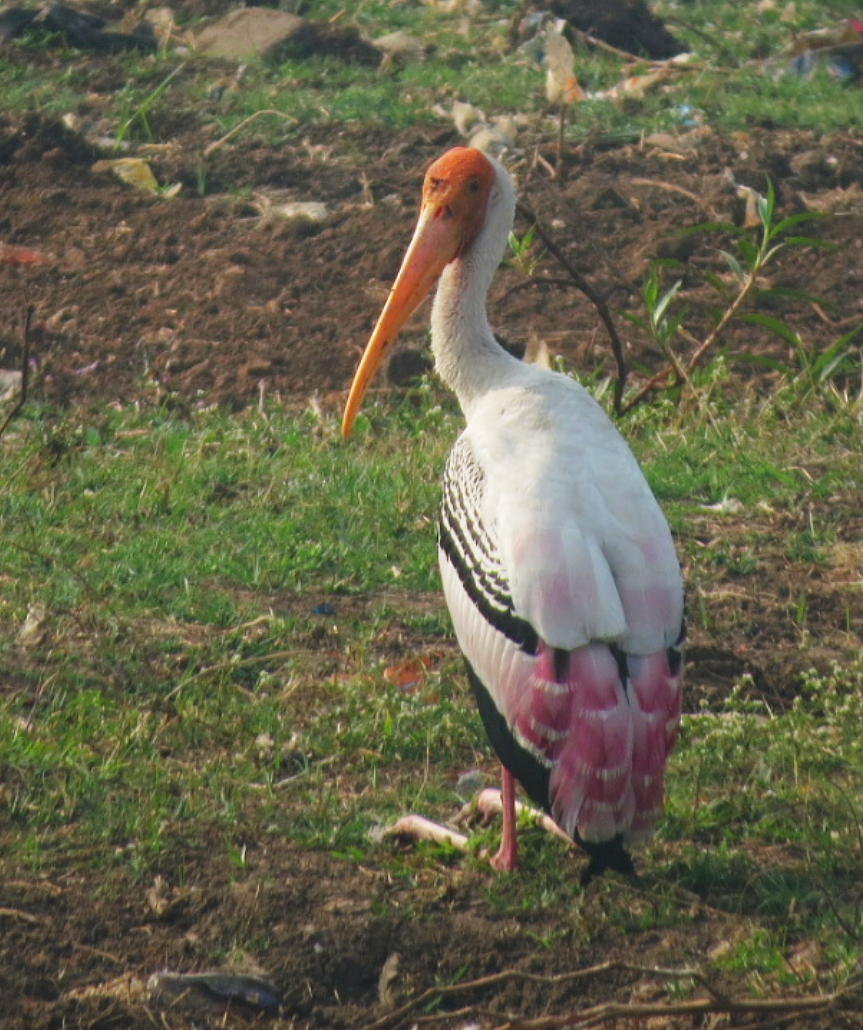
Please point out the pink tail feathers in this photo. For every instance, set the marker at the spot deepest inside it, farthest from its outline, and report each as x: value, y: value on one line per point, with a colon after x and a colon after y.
x: 656, y: 704
x: 606, y: 745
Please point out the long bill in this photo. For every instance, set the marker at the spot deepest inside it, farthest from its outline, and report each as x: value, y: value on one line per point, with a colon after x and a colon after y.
x: 436, y: 241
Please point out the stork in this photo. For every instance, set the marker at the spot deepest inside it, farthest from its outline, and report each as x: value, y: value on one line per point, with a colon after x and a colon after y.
x: 557, y: 564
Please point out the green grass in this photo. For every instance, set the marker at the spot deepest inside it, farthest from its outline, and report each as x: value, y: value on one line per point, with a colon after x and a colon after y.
x: 158, y: 512
x: 730, y: 91
x: 180, y: 693
x: 150, y: 543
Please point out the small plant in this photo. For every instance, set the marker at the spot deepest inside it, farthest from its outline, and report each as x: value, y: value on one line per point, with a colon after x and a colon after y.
x: 139, y: 114
x: 747, y: 266
x: 522, y: 255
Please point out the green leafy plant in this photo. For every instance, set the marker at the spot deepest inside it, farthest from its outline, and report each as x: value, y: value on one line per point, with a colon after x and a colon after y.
x: 522, y: 253
x: 753, y: 254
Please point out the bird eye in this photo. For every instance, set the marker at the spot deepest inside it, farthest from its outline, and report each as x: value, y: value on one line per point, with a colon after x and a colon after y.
x: 473, y: 186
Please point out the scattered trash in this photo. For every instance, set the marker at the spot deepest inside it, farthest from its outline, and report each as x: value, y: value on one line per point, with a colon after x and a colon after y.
x: 307, y: 210
x: 750, y: 197
x: 158, y: 897
x: 417, y: 827
x: 214, y: 993
x: 409, y: 674
x: 161, y: 20
x: 10, y: 255
x: 687, y: 116
x: 323, y: 609
x: 134, y: 171
x: 465, y: 117
x: 10, y: 383
x: 492, y: 136
x: 400, y: 47
x: 495, y: 138
x: 844, y: 201
x: 632, y: 87
x: 727, y: 506
x: 561, y: 85
x: 536, y: 352
x: 389, y: 973
x: 837, y: 50
x: 32, y: 632
x: 469, y: 784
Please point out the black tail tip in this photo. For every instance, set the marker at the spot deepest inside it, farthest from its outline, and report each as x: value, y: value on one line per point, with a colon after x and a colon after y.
x: 611, y: 854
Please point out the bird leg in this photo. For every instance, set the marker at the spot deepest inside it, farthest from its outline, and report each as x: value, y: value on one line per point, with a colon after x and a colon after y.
x: 489, y: 802
x: 506, y: 859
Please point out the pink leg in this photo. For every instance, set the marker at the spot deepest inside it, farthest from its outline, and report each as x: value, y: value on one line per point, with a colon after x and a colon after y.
x: 506, y: 860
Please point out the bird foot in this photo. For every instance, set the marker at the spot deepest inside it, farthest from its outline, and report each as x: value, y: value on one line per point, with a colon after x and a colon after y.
x: 505, y: 860
x: 487, y: 804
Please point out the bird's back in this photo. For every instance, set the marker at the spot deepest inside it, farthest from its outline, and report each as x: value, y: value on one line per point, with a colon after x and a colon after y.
x: 565, y: 592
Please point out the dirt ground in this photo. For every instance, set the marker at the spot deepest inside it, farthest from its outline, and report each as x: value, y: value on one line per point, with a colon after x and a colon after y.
x: 215, y: 299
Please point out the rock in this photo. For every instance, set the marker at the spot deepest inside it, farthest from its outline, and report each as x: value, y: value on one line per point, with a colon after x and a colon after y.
x: 81, y: 28
x: 626, y: 24
x: 263, y: 32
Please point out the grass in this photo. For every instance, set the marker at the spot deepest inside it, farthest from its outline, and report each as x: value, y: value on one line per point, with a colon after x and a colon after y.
x: 182, y: 692
x: 468, y: 60
x: 173, y: 678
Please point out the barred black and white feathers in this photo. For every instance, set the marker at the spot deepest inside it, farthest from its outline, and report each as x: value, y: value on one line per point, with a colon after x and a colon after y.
x: 468, y: 543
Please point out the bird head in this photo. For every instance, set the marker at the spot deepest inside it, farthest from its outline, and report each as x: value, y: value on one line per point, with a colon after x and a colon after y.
x: 454, y: 198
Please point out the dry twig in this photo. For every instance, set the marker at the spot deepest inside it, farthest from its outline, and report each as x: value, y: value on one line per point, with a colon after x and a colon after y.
x: 241, y: 125
x: 20, y: 915
x: 580, y: 283
x: 671, y: 187
x: 25, y: 370
x: 717, y: 1003
x: 258, y: 659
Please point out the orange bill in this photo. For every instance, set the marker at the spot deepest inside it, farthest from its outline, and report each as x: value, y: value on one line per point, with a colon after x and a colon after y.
x: 436, y: 241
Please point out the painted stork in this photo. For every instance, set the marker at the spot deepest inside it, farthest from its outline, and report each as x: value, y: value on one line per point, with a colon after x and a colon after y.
x: 557, y: 564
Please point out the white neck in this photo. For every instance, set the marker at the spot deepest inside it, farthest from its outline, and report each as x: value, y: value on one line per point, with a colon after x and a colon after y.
x: 467, y: 356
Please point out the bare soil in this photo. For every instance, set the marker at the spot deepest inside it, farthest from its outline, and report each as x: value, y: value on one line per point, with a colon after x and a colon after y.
x: 214, y: 299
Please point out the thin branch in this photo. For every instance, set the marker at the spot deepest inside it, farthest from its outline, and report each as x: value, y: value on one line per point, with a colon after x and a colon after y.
x: 506, y: 975
x: 596, y: 1015
x: 25, y: 370
x: 671, y: 187
x: 678, y: 376
x: 839, y: 323
x: 241, y: 125
x: 600, y: 44
x: 718, y: 1003
x: 243, y: 663
x: 582, y: 284
x: 20, y: 915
